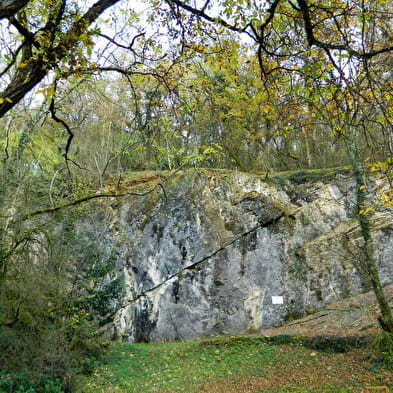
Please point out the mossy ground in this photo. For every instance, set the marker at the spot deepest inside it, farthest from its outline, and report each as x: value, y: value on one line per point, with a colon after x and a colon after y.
x: 234, y: 364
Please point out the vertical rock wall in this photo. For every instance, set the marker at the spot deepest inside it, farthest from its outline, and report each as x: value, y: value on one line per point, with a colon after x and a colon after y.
x: 207, y: 258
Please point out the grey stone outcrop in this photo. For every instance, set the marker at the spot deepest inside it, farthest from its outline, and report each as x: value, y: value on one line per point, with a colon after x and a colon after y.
x: 208, y: 256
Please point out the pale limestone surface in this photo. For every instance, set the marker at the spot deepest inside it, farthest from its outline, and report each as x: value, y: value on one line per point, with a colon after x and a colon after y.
x: 208, y: 258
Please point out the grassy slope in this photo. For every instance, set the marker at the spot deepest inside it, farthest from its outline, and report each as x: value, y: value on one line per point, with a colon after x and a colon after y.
x: 233, y: 364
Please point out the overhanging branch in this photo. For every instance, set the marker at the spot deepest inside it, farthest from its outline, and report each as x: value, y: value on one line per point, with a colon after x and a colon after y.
x: 313, y: 41
x: 202, y: 14
x: 39, y: 64
x: 85, y: 199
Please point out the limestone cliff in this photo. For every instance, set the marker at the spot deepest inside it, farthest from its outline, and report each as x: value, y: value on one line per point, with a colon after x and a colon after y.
x: 208, y: 255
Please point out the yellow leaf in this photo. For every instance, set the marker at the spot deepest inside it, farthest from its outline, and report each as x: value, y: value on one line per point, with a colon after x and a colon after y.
x: 366, y: 210
x: 141, y: 148
x: 362, y: 187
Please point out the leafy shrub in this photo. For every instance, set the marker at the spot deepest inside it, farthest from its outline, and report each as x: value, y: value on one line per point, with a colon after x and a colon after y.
x: 27, y: 383
x: 385, y: 350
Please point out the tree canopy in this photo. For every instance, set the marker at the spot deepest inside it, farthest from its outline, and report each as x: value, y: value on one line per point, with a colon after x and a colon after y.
x: 323, y: 53
x: 42, y: 37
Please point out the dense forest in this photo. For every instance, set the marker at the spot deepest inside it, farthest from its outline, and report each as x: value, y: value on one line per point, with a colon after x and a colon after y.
x: 93, y: 91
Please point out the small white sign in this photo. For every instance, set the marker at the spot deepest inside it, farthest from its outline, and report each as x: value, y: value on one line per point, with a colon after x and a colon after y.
x: 277, y: 300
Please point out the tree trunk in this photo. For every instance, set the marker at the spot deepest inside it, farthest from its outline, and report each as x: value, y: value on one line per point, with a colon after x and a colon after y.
x: 386, y: 318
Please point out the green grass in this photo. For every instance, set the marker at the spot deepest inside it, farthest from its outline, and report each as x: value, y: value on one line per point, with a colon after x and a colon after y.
x: 228, y: 364
x: 148, y: 367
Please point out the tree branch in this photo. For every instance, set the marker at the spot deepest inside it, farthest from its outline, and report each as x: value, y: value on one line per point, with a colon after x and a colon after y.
x: 96, y: 196
x: 65, y: 125
x: 271, y: 11
x: 128, y: 47
x: 201, y: 14
x: 86, y: 199
x: 11, y: 7
x: 37, y: 67
x: 13, y: 60
x: 312, y: 40
x: 24, y: 32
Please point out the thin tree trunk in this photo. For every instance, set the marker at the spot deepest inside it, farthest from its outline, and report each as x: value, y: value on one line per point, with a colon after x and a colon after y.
x: 386, y: 318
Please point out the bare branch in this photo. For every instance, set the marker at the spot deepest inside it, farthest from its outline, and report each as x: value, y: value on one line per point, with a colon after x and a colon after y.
x: 66, y: 126
x: 87, y: 199
x: 205, y: 5
x: 129, y: 47
x: 14, y: 55
x: 201, y: 14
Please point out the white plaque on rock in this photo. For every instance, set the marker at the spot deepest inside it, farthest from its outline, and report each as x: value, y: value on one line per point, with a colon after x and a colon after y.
x: 277, y: 300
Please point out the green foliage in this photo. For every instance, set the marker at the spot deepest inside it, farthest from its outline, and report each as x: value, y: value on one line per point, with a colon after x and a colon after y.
x: 95, y: 289
x: 385, y: 350
x: 25, y: 383
x: 57, y: 289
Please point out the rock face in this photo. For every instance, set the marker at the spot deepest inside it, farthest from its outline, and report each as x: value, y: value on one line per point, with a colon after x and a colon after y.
x: 208, y: 256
